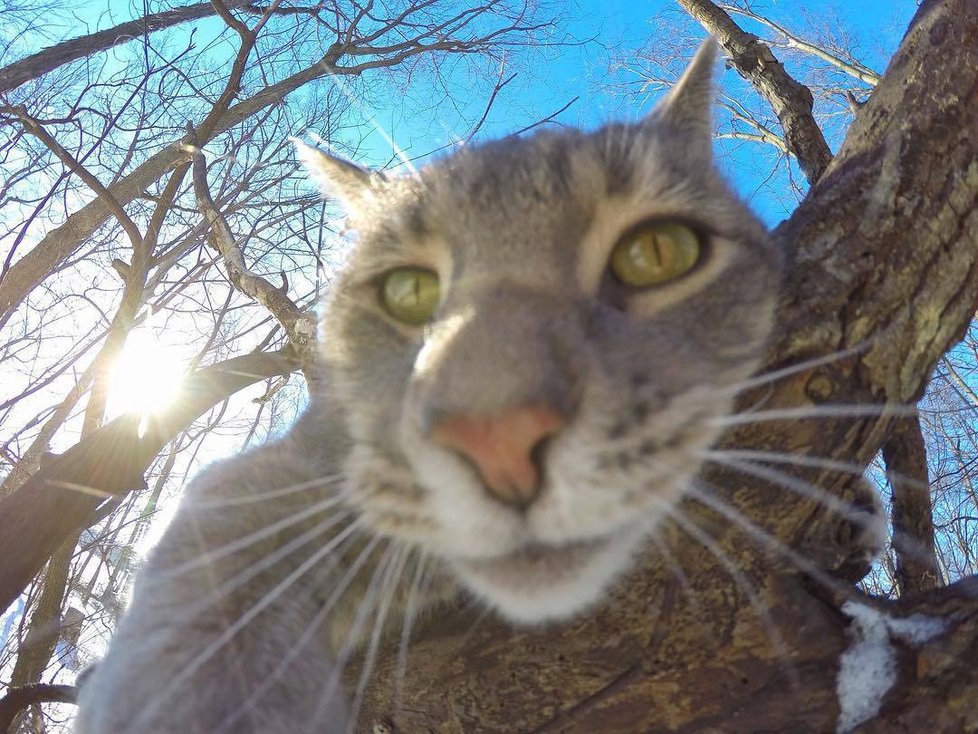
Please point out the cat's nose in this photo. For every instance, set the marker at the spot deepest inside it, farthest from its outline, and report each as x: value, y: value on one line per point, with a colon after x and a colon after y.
x: 504, y: 448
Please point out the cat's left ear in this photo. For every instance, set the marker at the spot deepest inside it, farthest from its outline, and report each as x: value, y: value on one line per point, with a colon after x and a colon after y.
x: 352, y: 185
x: 688, y: 108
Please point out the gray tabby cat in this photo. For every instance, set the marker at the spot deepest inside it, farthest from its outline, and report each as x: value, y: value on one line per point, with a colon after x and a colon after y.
x: 532, y: 342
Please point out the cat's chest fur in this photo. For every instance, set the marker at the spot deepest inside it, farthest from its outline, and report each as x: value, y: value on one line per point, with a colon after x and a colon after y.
x: 531, y: 345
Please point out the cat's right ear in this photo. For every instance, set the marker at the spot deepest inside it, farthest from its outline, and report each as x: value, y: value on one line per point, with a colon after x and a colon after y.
x: 688, y: 107
x: 353, y: 186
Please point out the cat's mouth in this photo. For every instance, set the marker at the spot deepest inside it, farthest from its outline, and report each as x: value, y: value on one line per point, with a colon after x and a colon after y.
x: 535, y: 563
x: 543, y: 582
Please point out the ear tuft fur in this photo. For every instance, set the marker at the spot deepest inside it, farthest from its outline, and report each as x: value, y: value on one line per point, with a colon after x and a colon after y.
x: 351, y: 184
x: 689, y: 105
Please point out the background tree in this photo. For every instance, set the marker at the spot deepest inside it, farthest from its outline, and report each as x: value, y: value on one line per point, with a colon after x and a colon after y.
x: 113, y: 194
x: 155, y: 223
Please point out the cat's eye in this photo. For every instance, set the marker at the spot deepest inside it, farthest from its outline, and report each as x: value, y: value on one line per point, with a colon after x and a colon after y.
x: 655, y: 253
x: 410, y: 295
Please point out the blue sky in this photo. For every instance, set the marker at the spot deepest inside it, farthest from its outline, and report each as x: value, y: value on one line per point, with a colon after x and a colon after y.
x: 598, y: 73
x: 598, y: 70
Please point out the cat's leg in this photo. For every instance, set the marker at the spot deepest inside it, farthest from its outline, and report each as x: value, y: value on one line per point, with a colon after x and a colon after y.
x: 228, y: 629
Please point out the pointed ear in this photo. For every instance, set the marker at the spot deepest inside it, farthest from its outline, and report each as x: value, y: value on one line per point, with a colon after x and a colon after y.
x: 689, y: 105
x: 340, y: 179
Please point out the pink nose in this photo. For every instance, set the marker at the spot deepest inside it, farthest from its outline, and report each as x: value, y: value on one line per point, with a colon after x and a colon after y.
x: 501, y: 447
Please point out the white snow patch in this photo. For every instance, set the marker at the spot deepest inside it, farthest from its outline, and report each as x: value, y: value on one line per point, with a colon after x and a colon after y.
x: 867, y: 670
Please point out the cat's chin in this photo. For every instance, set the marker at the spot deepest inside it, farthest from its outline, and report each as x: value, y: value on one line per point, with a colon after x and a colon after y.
x: 541, y: 583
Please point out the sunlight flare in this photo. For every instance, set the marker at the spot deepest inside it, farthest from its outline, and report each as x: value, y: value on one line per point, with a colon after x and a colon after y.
x: 146, y: 378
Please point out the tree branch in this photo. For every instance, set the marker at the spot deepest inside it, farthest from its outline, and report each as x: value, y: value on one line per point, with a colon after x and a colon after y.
x: 17, y: 699
x: 913, y: 523
x: 35, y: 128
x: 792, y: 102
x: 61, y: 496
x: 747, y: 635
x: 852, y: 68
x: 299, y: 327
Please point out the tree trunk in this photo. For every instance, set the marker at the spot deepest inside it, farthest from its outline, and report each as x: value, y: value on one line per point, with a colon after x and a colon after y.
x: 752, y: 637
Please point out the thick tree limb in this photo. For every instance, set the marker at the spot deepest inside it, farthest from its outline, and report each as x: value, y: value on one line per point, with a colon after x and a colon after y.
x: 49, y: 59
x: 17, y: 699
x: 792, y: 102
x: 913, y: 523
x: 850, y: 67
x: 62, y: 495
x: 884, y: 258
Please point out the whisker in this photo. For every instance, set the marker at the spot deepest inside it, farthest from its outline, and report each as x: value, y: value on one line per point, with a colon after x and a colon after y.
x: 244, y: 541
x: 411, y: 610
x: 367, y: 604
x: 357, y: 101
x: 699, y: 535
x: 774, y: 546
x: 811, y: 462
x: 676, y: 569
x: 790, y: 482
x: 319, y: 482
x: 816, y: 494
x: 794, y: 369
x: 815, y: 411
x: 229, y: 632
x: 310, y: 631
x: 389, y: 589
x: 266, y: 562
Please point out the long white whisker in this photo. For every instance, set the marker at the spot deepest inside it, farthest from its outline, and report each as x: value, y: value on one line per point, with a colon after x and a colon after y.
x: 311, y: 630
x: 357, y: 101
x: 411, y: 609
x: 244, y: 541
x: 319, y: 482
x: 388, y: 590
x: 676, y: 569
x: 228, y: 633
x: 794, y: 369
x: 772, y: 544
x: 804, y: 460
x: 815, y: 493
x: 790, y: 482
x: 353, y: 639
x: 738, y: 577
x: 266, y: 562
x: 815, y: 411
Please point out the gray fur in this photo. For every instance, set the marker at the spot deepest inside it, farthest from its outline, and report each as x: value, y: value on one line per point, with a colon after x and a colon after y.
x: 519, y: 231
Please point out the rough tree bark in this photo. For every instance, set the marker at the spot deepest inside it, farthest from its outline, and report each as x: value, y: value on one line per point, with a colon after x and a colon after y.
x: 913, y: 527
x: 884, y: 258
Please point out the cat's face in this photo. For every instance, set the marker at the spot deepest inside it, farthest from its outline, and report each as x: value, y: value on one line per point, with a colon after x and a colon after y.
x: 533, y: 339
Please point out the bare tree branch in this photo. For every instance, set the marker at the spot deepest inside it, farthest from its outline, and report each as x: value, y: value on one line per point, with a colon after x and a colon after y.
x: 300, y: 327
x: 852, y: 68
x: 792, y: 102
x: 17, y: 699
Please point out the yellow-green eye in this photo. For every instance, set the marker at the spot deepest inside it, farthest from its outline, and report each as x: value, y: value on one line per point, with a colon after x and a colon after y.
x: 655, y: 254
x: 410, y: 295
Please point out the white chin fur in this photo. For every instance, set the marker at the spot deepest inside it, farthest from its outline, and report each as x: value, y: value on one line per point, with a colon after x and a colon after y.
x: 563, y: 584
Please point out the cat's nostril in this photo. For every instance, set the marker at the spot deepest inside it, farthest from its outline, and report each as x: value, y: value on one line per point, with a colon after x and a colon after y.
x: 506, y: 449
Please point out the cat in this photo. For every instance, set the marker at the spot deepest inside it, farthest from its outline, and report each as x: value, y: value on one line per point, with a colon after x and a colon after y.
x: 532, y: 342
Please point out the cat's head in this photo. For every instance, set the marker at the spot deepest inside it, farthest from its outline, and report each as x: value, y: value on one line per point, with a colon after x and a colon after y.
x: 534, y: 337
